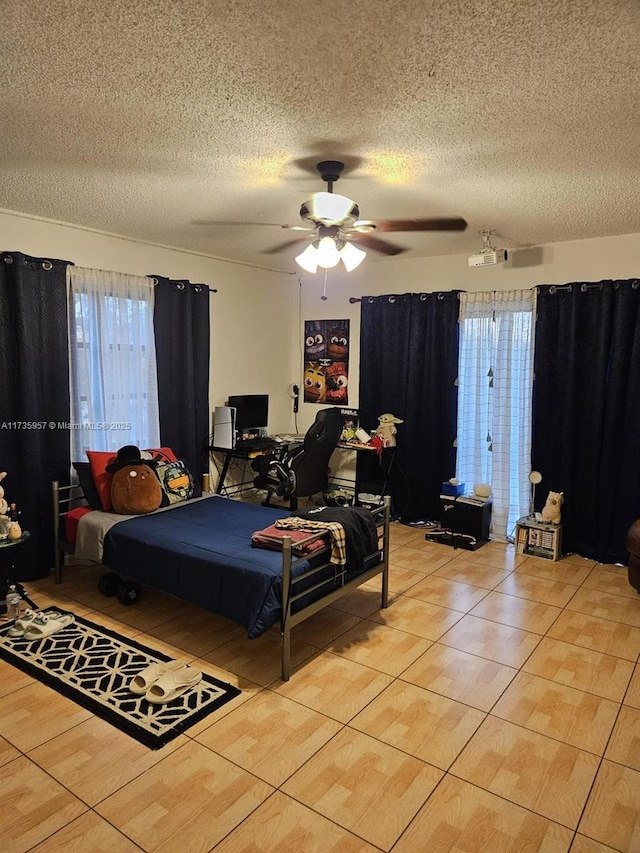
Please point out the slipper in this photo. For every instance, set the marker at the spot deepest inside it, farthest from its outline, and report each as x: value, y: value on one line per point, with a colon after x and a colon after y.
x: 17, y: 629
x: 172, y: 684
x: 145, y: 679
x: 46, y: 624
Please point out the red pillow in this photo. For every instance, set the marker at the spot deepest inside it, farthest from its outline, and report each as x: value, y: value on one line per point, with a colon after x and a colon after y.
x: 99, y: 459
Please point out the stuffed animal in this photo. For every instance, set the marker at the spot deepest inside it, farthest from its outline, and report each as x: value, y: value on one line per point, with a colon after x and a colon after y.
x: 135, y: 488
x: 387, y: 430
x: 4, y: 506
x: 551, y: 510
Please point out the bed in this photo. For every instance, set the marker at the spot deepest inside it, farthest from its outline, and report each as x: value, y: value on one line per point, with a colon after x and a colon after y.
x: 200, y: 551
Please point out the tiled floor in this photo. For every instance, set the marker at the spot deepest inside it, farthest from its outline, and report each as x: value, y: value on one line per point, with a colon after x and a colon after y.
x: 494, y: 706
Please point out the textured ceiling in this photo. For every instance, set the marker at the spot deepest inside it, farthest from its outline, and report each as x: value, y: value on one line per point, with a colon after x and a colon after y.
x: 137, y: 118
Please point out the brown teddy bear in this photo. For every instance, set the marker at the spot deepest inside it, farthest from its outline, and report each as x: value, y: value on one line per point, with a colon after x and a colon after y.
x: 135, y: 488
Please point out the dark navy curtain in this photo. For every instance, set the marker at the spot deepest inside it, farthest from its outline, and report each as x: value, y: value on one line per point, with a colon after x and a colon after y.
x: 586, y: 411
x: 408, y: 367
x: 182, y: 335
x: 34, y: 397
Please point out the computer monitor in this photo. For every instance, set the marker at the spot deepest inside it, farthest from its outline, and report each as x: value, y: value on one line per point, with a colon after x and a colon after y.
x: 252, y: 411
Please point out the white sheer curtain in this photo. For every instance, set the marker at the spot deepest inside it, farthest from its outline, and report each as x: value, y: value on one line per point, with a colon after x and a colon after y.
x: 495, y: 383
x: 114, y: 389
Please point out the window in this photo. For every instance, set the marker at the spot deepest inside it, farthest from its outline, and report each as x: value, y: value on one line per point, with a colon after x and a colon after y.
x: 495, y: 382
x: 114, y: 389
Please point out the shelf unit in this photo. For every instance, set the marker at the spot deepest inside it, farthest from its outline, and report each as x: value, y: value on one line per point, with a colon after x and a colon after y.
x: 537, y: 539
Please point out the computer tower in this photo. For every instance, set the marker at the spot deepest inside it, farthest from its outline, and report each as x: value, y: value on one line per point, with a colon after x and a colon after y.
x: 224, y: 427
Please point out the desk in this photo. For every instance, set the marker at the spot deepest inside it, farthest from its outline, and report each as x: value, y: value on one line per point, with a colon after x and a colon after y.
x: 243, y: 454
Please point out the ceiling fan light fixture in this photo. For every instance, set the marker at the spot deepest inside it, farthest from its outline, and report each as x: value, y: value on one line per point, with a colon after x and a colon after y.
x: 308, y: 259
x: 351, y: 256
x: 329, y: 209
x: 327, y: 254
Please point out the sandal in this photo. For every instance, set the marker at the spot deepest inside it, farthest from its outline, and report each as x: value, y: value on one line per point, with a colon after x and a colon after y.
x: 19, y: 626
x: 172, y: 684
x: 46, y: 624
x: 145, y: 679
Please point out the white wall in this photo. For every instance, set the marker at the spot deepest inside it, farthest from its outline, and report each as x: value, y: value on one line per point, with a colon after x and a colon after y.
x: 254, y: 314
x: 558, y: 263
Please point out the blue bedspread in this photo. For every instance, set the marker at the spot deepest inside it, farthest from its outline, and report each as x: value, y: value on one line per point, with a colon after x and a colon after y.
x: 201, y: 551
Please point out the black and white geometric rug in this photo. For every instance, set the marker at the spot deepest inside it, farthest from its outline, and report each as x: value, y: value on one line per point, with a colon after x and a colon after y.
x: 93, y: 666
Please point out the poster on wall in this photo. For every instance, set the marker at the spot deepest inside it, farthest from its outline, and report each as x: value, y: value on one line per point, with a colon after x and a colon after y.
x: 326, y: 361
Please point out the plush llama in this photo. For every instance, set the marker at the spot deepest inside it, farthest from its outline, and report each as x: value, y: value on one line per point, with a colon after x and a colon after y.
x: 551, y: 510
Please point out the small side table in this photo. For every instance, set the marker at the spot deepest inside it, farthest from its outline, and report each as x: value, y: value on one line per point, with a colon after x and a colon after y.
x: 9, y: 551
x: 538, y: 539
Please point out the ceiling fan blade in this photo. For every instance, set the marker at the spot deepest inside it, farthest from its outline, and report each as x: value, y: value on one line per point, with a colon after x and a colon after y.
x: 376, y: 244
x: 454, y: 223
x: 271, y: 224
x: 282, y: 246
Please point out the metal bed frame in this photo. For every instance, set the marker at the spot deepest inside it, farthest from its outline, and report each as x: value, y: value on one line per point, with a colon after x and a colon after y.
x: 293, y: 588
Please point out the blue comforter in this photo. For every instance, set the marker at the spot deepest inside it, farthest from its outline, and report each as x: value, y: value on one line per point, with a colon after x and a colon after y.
x: 201, y: 551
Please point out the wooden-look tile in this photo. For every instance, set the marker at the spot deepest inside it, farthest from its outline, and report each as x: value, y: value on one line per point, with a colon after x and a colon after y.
x: 553, y: 592
x: 612, y: 815
x: 333, y: 685
x: 458, y: 675
x: 382, y: 648
x: 473, y: 572
x: 152, y: 610
x: 270, y: 736
x: 361, y: 602
x: 419, y: 722
x: 89, y: 832
x: 188, y: 801
x: 417, y: 617
x: 248, y: 689
x: 257, y: 660
x: 369, y: 788
x: 401, y: 579
x: 112, y: 623
x: 500, y: 643
x: 35, y: 714
x: 282, y: 825
x: 582, y: 844
x: 463, y: 818
x: 611, y: 580
x: 572, y: 716
x: 32, y: 806
x: 632, y: 696
x: 12, y: 679
x: 447, y: 593
x: 403, y: 534
x: 561, y: 570
x: 550, y: 778
x: 197, y: 632
x: 424, y: 558
x: 324, y: 626
x: 599, y: 635
x: 617, y: 608
x: 624, y: 747
x: 517, y: 612
x: 7, y: 752
x: 498, y: 554
x: 581, y: 668
x: 94, y: 759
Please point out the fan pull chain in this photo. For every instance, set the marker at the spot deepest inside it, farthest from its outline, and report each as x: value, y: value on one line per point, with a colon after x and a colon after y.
x: 324, y: 289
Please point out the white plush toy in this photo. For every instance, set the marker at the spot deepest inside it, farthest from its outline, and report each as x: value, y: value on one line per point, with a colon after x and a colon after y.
x: 4, y: 506
x: 387, y: 429
x: 551, y: 510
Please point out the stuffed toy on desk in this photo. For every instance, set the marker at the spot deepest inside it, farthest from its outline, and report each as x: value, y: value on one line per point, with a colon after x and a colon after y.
x: 387, y: 429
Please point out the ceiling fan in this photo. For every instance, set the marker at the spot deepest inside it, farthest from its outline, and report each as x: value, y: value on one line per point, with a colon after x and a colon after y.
x: 339, y: 231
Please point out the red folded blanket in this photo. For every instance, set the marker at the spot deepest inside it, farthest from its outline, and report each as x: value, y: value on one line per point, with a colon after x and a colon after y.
x: 302, y: 542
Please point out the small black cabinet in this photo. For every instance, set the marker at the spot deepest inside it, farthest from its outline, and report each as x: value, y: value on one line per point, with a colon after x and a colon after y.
x: 462, y: 515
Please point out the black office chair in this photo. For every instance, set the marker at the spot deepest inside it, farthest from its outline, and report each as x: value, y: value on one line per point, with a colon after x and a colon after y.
x: 303, y: 471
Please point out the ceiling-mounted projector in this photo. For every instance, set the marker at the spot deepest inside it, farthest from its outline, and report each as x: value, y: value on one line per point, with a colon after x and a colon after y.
x: 487, y: 255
